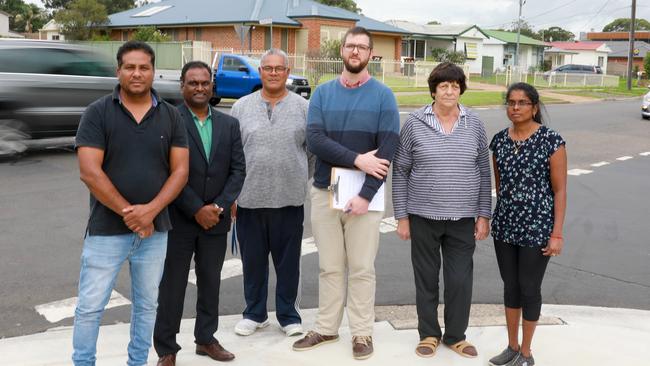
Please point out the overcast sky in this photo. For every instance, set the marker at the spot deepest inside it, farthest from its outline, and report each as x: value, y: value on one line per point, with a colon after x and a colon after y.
x: 573, y: 15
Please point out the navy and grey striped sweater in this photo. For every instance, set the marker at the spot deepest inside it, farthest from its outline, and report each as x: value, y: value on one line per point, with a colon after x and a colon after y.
x: 437, y: 175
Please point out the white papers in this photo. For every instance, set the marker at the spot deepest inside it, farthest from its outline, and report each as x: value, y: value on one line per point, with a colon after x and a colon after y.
x: 347, y: 184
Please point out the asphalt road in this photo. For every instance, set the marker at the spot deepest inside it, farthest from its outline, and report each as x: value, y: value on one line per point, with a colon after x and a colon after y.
x: 44, y: 206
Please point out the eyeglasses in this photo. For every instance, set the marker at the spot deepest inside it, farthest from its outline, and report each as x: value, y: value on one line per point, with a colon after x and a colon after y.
x: 361, y: 47
x: 520, y: 103
x: 195, y: 84
x: 277, y: 69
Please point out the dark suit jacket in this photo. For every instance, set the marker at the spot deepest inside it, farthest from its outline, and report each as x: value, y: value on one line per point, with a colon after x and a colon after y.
x: 217, y: 180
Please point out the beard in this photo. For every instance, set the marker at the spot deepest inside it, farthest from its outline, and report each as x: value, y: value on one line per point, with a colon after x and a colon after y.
x: 355, y: 69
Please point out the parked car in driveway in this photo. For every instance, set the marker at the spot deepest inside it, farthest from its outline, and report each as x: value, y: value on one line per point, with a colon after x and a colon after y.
x: 574, y: 69
x: 46, y: 86
x: 236, y: 76
x: 645, y: 106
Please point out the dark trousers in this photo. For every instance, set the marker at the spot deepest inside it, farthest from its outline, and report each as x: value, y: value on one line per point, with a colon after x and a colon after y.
x: 277, y: 231
x: 522, y: 271
x: 455, y: 239
x: 209, y: 252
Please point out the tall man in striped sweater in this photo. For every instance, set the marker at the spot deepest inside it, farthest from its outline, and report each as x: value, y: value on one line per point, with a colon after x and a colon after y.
x: 353, y: 122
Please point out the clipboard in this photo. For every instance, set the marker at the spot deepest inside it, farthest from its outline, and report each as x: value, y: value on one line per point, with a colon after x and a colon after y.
x: 346, y: 184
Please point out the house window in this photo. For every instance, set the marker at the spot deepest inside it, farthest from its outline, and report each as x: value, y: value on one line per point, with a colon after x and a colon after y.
x: 284, y: 40
x: 471, y: 51
x: 419, y: 49
x: 55, y: 37
x: 324, y: 35
x: 601, y: 61
x: 267, y: 38
x: 125, y: 35
x: 198, y: 33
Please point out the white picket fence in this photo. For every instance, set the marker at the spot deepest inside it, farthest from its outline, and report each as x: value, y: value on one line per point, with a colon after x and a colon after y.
x: 575, y: 80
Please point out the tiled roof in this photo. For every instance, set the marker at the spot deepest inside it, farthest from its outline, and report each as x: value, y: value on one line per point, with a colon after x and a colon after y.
x: 577, y: 45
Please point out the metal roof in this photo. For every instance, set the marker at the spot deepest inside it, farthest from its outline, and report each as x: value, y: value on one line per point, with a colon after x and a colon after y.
x: 621, y: 48
x: 201, y: 12
x: 436, y: 31
x: 511, y: 37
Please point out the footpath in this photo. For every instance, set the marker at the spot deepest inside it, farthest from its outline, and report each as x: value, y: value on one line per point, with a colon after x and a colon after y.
x: 567, y: 335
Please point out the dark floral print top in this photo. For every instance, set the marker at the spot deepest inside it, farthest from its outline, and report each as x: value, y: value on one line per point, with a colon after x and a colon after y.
x: 524, y: 211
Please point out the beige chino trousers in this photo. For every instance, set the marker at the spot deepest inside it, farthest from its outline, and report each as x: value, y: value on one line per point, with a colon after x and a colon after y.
x: 347, y: 245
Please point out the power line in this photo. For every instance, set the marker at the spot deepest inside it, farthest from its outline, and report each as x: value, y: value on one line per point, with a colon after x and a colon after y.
x: 597, y: 13
x: 552, y: 10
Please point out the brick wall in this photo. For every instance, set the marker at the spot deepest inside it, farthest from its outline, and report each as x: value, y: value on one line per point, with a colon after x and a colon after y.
x: 313, y: 26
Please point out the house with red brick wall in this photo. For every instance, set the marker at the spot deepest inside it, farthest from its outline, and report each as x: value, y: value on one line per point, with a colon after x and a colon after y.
x: 296, y: 26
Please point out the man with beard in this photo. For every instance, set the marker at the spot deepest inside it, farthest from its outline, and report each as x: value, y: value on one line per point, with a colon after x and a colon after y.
x: 132, y: 150
x: 353, y: 122
x: 270, y: 209
x: 201, y: 218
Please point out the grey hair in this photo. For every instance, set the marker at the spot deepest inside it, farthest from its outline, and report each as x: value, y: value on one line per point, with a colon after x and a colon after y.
x: 276, y: 52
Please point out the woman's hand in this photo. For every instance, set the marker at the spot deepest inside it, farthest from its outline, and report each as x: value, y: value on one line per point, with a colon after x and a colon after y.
x: 481, y: 228
x: 554, y: 247
x: 403, y: 229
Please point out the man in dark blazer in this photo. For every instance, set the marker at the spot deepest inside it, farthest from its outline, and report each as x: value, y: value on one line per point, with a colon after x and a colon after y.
x: 201, y: 219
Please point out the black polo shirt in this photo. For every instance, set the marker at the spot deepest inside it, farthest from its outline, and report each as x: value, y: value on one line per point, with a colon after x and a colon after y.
x: 136, y: 156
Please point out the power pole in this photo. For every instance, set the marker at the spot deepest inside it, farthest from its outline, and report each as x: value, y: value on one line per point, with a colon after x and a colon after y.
x: 521, y: 3
x: 630, y: 54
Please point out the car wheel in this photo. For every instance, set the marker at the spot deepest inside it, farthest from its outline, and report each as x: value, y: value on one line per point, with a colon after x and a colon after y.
x: 214, y: 101
x: 12, y: 137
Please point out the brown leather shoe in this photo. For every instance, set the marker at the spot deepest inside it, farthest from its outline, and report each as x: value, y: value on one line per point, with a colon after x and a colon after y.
x: 167, y: 360
x: 313, y: 340
x: 215, y: 351
x: 362, y: 347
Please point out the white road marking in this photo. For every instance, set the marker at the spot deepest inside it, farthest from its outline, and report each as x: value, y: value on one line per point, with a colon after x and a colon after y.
x: 62, y: 309
x: 623, y: 158
x: 599, y: 164
x: 579, y: 171
x: 647, y: 153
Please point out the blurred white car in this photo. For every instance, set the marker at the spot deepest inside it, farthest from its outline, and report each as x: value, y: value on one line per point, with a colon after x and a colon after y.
x: 645, y: 107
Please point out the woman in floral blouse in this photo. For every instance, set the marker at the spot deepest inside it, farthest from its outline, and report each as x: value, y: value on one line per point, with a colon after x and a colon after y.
x: 530, y: 173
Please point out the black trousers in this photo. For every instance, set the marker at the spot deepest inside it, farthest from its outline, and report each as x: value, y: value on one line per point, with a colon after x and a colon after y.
x: 209, y: 252
x: 275, y: 231
x: 455, y: 239
x: 522, y: 271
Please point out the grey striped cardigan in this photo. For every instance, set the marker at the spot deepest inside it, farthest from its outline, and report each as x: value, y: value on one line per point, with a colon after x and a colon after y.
x: 437, y: 175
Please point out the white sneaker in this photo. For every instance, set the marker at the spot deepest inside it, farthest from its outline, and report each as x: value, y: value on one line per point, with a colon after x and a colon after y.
x: 293, y: 329
x: 247, y: 327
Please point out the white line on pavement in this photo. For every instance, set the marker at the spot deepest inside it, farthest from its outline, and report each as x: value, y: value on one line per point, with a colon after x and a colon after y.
x: 599, y: 164
x: 579, y: 171
x: 647, y: 153
x: 59, y: 310
x: 623, y: 158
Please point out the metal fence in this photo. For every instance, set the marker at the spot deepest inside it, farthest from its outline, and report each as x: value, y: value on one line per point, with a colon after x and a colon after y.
x: 575, y: 80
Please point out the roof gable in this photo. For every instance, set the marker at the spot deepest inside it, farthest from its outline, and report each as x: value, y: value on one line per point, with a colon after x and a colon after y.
x: 438, y: 30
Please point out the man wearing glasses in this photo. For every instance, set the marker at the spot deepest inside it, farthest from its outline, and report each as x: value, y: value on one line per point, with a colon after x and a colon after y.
x: 270, y: 208
x: 353, y: 122
x: 201, y: 219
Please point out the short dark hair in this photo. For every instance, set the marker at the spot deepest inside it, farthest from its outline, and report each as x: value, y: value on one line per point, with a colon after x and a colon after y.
x: 135, y: 46
x: 354, y: 31
x: 195, y: 65
x: 447, y: 72
x: 532, y: 94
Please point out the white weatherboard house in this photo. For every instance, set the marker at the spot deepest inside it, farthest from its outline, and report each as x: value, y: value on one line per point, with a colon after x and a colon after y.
x: 502, y: 46
x: 581, y: 53
x: 4, y: 27
x: 51, y: 32
x: 461, y: 38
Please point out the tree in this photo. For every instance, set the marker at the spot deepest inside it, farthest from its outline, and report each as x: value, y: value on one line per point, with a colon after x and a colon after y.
x: 526, y: 30
x: 646, y: 65
x: 443, y: 55
x: 623, y: 25
x: 32, y: 18
x: 433, y: 22
x: 556, y: 34
x: 81, y: 19
x: 343, y: 4
x: 150, y: 34
x: 112, y: 6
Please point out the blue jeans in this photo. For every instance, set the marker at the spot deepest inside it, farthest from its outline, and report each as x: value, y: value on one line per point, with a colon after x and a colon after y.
x: 101, y: 260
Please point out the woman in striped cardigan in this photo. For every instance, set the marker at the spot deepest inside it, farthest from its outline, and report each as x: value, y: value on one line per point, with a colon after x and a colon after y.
x: 442, y: 201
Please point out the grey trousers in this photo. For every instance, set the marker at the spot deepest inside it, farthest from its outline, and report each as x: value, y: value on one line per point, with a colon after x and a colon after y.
x: 455, y: 239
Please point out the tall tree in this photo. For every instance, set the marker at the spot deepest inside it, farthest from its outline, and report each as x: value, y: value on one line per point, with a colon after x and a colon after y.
x: 433, y: 22
x: 623, y: 25
x: 526, y: 30
x: 343, y: 4
x: 81, y: 19
x: 556, y: 34
x: 112, y: 6
x: 24, y: 17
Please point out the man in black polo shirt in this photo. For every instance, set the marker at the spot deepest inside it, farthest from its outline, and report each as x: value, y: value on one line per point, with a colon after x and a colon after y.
x: 133, y: 156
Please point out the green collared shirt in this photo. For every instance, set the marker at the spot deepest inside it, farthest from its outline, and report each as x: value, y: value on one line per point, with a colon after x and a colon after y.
x: 205, y: 131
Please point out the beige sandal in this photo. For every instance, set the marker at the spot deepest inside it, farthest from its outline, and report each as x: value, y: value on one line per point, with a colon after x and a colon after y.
x: 461, y: 346
x: 428, y: 344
